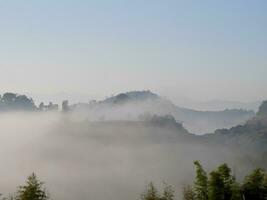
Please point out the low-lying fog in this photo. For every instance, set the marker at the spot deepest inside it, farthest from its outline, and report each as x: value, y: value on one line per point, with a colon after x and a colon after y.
x: 98, y: 160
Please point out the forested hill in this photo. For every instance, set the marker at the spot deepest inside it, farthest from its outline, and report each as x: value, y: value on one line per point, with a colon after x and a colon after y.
x: 17, y: 102
x: 14, y: 102
x: 130, y: 105
x: 250, y: 137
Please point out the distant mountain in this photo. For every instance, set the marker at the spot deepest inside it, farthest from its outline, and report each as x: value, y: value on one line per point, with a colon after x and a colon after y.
x: 243, y: 147
x: 131, y: 97
x: 13, y: 102
x: 250, y: 137
x: 215, y: 105
x: 130, y: 105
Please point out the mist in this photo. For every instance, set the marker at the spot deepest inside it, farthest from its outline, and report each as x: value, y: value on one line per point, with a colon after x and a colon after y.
x: 81, y: 159
x: 100, y: 98
x: 131, y: 105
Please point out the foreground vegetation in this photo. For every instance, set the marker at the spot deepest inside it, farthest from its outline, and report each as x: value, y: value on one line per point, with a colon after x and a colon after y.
x: 32, y: 190
x: 220, y: 184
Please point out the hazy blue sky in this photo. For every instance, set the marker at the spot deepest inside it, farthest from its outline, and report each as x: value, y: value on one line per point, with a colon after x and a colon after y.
x: 195, y: 49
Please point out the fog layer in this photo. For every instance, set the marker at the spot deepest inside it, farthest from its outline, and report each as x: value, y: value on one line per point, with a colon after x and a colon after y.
x: 102, y: 160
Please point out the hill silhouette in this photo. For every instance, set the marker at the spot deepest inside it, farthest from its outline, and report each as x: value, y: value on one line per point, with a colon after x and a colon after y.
x: 250, y: 137
x: 130, y: 105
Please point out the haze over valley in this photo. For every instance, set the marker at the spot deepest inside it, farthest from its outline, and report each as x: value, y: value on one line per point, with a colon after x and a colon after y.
x: 133, y: 100
x: 120, y: 144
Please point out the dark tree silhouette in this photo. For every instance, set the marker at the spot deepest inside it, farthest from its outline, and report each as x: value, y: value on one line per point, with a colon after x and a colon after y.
x: 65, y: 106
x: 188, y: 193
x: 201, y: 182
x: 32, y: 190
x: 151, y: 193
x: 255, y: 185
x: 11, y: 101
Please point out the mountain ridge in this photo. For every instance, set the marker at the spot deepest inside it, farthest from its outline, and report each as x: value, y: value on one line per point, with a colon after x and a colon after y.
x: 135, y: 103
x: 130, y: 105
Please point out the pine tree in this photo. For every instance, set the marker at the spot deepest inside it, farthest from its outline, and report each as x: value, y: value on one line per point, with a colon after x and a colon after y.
x: 201, y: 183
x: 33, y: 190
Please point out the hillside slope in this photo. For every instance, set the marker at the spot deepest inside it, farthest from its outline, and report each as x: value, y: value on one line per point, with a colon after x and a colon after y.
x: 250, y: 138
x: 130, y: 105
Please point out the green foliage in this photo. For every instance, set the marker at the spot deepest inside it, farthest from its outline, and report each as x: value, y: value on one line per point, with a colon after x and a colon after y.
x: 236, y: 191
x: 216, y: 186
x: 219, y: 185
x: 188, y: 193
x: 168, y: 193
x: 201, y: 182
x: 223, y: 186
x: 225, y: 173
x: 255, y: 186
x: 227, y: 179
x: 151, y: 193
x: 32, y: 190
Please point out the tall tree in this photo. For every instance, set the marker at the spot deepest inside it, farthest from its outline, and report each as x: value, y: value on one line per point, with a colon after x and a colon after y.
x: 151, y: 193
x: 32, y: 190
x: 227, y: 178
x: 201, y: 182
x: 168, y: 193
x: 188, y: 193
x: 216, y: 186
x: 236, y: 191
x: 254, y: 187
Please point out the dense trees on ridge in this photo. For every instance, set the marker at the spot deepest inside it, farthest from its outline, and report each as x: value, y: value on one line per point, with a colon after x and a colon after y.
x: 263, y: 109
x: 15, y: 102
x: 11, y: 101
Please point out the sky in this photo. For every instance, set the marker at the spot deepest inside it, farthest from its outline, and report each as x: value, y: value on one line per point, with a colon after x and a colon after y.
x: 199, y: 50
